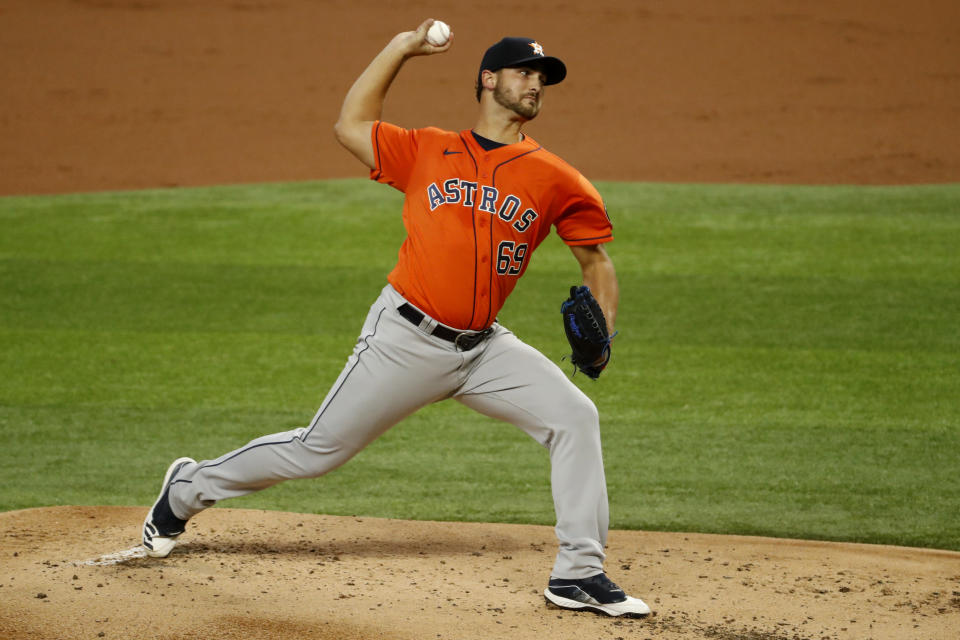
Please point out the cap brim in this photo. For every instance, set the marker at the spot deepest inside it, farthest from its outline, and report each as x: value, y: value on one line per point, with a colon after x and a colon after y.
x: 554, y: 68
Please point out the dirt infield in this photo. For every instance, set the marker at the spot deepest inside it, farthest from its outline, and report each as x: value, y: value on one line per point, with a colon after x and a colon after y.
x: 125, y: 94
x: 256, y: 574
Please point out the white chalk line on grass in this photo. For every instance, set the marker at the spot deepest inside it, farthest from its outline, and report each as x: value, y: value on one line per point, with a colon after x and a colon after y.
x: 116, y: 557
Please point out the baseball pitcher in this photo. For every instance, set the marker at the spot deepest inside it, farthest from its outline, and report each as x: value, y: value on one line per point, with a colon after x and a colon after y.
x: 478, y: 202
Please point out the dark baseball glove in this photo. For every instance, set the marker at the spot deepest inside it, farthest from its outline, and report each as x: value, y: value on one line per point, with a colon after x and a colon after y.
x: 586, y: 330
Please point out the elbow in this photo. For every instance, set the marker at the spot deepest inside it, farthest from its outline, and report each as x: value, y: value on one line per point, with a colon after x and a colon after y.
x: 355, y: 138
x: 339, y: 131
x: 345, y: 129
x: 350, y: 133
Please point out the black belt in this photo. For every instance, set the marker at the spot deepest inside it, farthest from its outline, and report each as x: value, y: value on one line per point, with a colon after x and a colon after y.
x: 464, y: 340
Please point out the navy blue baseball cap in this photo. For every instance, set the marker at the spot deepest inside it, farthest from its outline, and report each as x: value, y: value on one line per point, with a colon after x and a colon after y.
x: 518, y: 52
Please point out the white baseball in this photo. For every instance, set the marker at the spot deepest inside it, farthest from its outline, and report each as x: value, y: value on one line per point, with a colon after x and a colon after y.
x: 438, y: 33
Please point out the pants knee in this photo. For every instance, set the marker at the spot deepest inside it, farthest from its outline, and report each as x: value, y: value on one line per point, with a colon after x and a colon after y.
x: 577, y: 420
x: 585, y: 414
x: 319, y: 453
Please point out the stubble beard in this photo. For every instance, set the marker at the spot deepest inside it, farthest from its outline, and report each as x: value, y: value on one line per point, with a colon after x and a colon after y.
x: 523, y: 108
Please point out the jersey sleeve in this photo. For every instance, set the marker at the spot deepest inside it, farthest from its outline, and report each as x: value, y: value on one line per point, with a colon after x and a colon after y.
x: 584, y: 218
x: 394, y: 152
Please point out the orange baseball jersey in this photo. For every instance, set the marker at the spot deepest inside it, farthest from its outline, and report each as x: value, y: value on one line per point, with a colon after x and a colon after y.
x: 473, y: 217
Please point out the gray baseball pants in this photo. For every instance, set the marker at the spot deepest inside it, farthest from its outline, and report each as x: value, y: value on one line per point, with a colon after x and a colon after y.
x: 395, y: 369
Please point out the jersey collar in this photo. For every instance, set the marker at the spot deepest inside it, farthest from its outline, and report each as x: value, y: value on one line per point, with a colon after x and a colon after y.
x: 524, y: 146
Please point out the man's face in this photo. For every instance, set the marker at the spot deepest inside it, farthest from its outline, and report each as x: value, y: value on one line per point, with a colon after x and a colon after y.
x: 520, y: 89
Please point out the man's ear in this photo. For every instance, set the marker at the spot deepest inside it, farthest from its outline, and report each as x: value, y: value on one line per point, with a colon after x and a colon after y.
x: 489, y: 79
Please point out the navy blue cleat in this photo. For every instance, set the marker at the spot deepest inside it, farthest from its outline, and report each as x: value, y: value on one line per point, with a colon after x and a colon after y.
x: 597, y: 594
x: 161, y: 527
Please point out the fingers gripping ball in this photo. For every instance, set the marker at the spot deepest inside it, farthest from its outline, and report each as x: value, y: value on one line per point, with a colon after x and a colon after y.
x: 438, y: 33
x: 586, y: 330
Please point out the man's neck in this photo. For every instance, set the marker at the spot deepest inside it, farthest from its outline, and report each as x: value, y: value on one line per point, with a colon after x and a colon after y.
x: 505, y: 130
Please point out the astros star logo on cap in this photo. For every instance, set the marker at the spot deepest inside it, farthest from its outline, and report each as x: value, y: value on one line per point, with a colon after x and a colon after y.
x: 537, y: 48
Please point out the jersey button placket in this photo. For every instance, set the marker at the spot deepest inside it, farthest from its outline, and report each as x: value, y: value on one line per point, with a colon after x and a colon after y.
x: 484, y: 224
x: 483, y: 273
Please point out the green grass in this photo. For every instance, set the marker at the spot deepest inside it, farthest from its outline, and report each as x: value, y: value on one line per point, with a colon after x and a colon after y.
x: 788, y: 363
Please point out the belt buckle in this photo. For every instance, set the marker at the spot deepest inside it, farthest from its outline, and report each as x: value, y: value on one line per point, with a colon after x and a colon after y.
x: 464, y: 342
x: 467, y: 341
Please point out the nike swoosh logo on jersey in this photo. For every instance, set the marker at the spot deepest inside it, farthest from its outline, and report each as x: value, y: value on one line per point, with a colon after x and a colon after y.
x: 447, y: 152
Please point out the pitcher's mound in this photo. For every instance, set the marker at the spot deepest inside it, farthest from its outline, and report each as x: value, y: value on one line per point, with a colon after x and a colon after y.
x: 78, y: 572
